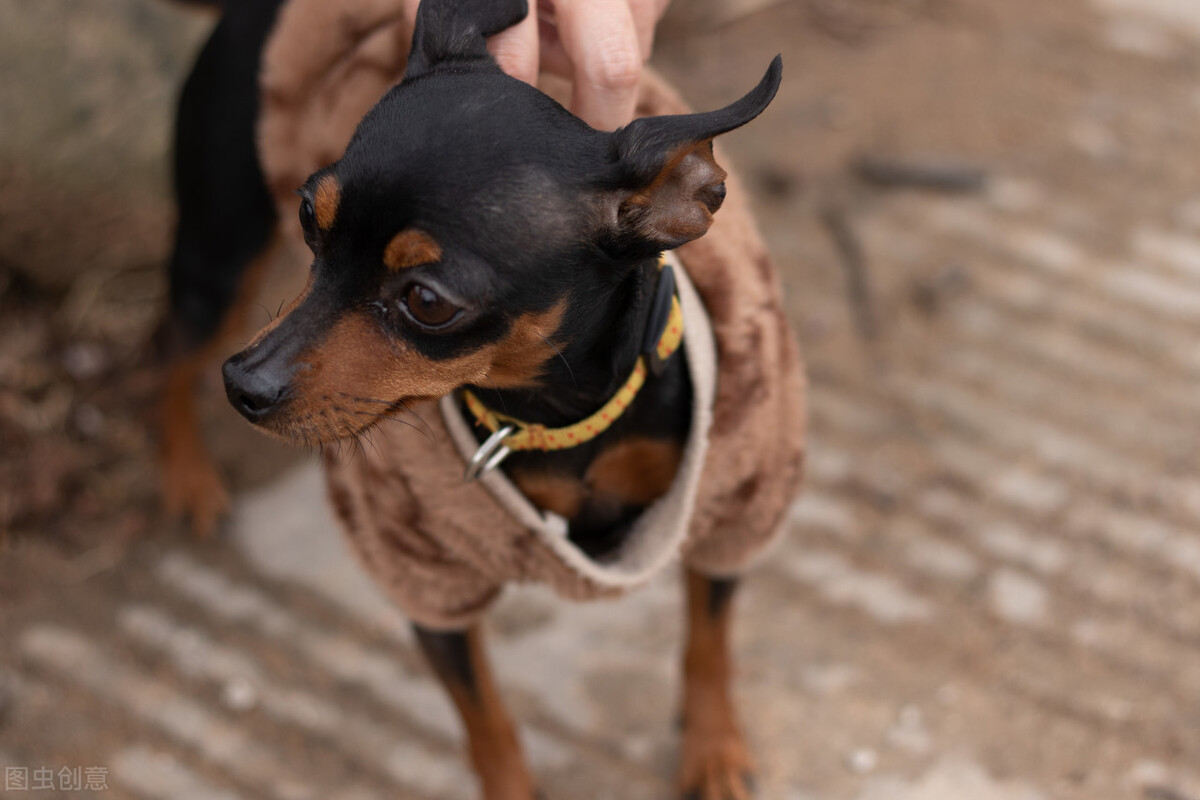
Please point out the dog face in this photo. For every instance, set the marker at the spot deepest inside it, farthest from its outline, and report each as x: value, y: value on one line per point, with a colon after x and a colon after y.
x: 471, y: 226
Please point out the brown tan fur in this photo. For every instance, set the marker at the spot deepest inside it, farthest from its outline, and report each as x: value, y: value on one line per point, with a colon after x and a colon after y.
x: 411, y: 248
x: 714, y: 763
x: 635, y: 471
x: 192, y: 486
x: 326, y: 199
x: 492, y: 740
x: 562, y: 494
x: 517, y: 361
x: 357, y: 375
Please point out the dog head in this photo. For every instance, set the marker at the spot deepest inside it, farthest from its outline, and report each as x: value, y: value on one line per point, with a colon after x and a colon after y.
x: 471, y: 225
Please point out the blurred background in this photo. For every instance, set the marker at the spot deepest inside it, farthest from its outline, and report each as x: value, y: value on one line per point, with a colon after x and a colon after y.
x: 987, y: 220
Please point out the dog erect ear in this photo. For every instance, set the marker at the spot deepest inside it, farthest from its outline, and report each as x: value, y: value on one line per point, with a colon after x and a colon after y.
x: 457, y: 30
x: 670, y: 184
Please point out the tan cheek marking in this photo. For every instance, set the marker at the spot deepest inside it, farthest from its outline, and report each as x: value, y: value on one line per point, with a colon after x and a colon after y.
x: 561, y: 494
x: 410, y: 248
x: 635, y: 471
x: 521, y: 357
x: 358, y: 373
x: 325, y: 202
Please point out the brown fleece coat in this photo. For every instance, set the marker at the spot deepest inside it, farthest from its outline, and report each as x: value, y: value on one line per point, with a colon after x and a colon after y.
x: 443, y: 548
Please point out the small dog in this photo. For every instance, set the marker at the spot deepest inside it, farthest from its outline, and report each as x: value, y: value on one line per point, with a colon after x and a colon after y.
x: 485, y: 260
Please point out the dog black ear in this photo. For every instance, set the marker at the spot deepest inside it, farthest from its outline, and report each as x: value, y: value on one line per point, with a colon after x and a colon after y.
x: 670, y: 183
x: 457, y: 30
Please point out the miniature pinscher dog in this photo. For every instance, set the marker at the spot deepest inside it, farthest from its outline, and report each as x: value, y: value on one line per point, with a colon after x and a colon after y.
x: 478, y: 242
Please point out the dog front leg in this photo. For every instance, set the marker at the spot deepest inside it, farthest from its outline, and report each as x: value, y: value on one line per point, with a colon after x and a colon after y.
x: 461, y: 664
x: 714, y: 764
x: 191, y: 484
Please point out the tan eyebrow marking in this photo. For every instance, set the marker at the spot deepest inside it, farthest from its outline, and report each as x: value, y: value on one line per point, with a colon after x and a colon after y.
x: 410, y: 248
x: 325, y: 202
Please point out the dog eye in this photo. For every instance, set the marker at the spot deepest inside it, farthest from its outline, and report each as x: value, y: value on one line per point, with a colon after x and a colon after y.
x: 308, y: 221
x: 428, y: 308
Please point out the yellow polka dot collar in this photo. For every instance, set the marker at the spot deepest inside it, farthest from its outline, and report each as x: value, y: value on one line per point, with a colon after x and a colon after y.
x: 519, y: 435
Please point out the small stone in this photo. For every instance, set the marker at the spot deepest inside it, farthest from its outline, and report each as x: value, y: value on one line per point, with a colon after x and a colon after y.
x: 89, y: 421
x: 1129, y: 34
x: 909, y: 733
x: 948, y: 694
x: 638, y: 749
x: 862, y: 761
x: 1017, y: 598
x: 239, y: 694
x: 1147, y: 772
x: 1094, y: 139
x: 84, y: 360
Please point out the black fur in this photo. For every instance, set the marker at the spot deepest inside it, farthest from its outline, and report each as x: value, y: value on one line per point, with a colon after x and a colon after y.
x: 643, y: 144
x: 457, y: 32
x: 720, y: 595
x: 449, y: 653
x: 226, y: 215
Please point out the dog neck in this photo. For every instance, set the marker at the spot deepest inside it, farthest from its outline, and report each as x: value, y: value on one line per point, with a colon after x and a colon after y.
x: 595, y: 351
x: 603, y: 343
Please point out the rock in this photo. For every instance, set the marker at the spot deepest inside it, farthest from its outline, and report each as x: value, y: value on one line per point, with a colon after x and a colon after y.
x: 97, y: 82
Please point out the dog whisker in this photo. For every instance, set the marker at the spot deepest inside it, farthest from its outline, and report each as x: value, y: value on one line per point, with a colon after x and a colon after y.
x: 559, y: 354
x: 366, y: 400
x: 500, y: 394
x: 424, y: 427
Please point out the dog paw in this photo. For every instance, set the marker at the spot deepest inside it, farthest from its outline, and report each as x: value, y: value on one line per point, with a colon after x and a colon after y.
x: 716, y: 768
x: 511, y: 793
x: 195, y: 491
x: 502, y: 779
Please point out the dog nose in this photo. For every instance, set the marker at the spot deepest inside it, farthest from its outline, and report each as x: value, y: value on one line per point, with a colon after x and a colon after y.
x: 254, y: 392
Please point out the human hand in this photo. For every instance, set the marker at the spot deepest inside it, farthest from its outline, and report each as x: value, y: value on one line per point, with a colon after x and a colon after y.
x: 599, y: 45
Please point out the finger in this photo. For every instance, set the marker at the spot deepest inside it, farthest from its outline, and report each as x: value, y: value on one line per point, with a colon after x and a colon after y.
x: 410, y: 11
x: 552, y: 57
x: 602, y: 43
x: 516, y: 49
x: 646, y: 14
x: 645, y: 17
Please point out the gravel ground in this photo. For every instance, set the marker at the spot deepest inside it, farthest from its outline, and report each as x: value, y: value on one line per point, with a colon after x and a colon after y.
x: 987, y: 217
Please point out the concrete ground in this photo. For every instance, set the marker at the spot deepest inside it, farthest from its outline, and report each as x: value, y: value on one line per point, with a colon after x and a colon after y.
x: 990, y: 589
